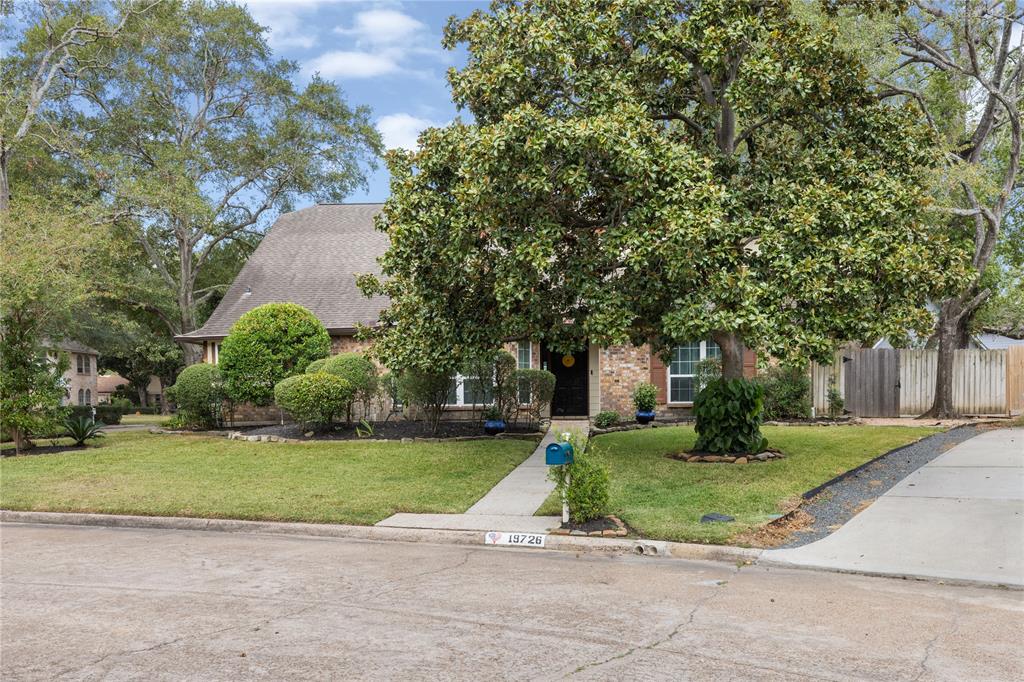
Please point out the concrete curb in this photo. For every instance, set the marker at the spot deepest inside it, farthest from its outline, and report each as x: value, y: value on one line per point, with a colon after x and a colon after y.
x: 560, y: 543
x: 768, y: 561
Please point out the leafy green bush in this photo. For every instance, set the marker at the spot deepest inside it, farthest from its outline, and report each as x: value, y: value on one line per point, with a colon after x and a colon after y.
x: 81, y: 429
x: 316, y: 366
x: 645, y: 397
x: 361, y: 375
x: 108, y: 414
x: 314, y: 399
x: 426, y: 392
x: 587, y: 492
x: 607, y: 418
x: 199, y: 395
x: 787, y: 393
x: 539, y: 385
x: 728, y: 413
x: 268, y: 344
x: 123, y: 404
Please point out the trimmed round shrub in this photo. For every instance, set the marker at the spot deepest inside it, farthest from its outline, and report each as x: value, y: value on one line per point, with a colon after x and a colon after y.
x: 268, y: 344
x: 360, y: 373
x: 538, y: 385
x: 316, y: 366
x: 314, y: 399
x: 199, y: 394
x: 728, y: 413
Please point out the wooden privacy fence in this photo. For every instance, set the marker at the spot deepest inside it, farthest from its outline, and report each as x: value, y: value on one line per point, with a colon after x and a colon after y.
x: 882, y: 382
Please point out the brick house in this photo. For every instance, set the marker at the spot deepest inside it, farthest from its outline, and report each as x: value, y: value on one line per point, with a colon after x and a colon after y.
x: 80, y: 377
x: 311, y: 257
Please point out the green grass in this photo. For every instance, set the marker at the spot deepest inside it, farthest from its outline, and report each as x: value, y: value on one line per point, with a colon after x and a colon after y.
x: 132, y: 472
x: 664, y: 498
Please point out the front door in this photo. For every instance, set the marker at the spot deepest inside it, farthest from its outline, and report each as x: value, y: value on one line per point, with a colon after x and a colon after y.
x: 570, y: 370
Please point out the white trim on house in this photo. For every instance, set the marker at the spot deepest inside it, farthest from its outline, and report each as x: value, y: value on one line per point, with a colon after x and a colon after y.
x: 682, y: 359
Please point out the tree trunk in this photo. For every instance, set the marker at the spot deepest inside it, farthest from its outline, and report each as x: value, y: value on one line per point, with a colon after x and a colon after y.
x: 165, y: 408
x: 951, y: 333
x: 186, y: 302
x: 5, y: 188
x: 141, y: 390
x: 732, y: 354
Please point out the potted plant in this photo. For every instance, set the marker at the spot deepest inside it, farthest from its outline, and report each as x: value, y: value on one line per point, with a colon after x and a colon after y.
x: 645, y: 397
x: 494, y: 422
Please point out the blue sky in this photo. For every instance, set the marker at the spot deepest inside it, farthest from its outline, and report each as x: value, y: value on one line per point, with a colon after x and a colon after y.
x: 386, y: 55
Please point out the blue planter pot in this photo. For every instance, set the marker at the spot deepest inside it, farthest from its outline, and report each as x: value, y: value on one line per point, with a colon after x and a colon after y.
x: 492, y: 427
x: 644, y: 417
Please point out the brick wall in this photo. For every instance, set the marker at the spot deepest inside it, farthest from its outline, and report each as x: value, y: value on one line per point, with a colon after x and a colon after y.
x: 621, y: 369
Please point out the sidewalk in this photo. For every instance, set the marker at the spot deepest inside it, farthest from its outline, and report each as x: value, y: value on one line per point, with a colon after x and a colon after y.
x: 960, y: 517
x: 511, y: 504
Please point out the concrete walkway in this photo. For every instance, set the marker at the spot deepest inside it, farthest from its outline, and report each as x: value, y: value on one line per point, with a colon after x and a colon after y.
x: 960, y: 517
x: 510, y: 505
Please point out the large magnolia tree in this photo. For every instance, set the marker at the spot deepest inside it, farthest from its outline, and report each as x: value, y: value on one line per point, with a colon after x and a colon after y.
x: 658, y: 170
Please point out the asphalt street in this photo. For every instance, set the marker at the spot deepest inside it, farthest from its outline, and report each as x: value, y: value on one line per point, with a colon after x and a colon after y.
x: 86, y: 603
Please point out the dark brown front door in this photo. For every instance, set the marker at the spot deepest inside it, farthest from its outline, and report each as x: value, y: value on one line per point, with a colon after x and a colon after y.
x: 570, y: 372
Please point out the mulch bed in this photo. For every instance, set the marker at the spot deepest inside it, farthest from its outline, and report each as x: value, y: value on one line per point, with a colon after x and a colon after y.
x: 606, y: 526
x: 695, y: 457
x: 389, y: 430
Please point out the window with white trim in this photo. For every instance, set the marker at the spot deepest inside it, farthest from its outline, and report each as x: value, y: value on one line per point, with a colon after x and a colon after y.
x: 524, y: 356
x: 468, y: 391
x: 682, y: 370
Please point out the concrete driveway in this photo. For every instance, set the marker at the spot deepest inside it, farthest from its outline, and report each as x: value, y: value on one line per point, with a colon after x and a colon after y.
x: 88, y: 603
x: 960, y: 517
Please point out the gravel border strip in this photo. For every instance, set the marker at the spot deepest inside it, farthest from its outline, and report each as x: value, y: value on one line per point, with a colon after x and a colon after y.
x: 835, y: 502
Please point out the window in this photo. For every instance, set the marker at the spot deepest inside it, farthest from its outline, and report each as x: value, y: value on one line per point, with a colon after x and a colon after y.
x: 81, y: 397
x: 79, y: 366
x: 86, y: 363
x: 683, y: 368
x: 524, y: 353
x: 214, y: 352
x: 88, y: 396
x: 467, y: 391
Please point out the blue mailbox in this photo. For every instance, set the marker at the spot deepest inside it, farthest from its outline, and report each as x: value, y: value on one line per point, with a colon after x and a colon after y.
x: 558, y: 453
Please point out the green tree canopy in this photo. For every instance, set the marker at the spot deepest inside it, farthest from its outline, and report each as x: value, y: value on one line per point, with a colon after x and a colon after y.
x: 659, y: 170
x: 197, y: 136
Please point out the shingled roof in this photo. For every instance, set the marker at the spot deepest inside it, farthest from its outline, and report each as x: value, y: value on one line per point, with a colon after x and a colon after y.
x: 310, y: 257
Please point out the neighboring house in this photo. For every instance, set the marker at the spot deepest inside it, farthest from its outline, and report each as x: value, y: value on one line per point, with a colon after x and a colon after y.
x: 106, y: 384
x: 80, y: 376
x: 311, y: 257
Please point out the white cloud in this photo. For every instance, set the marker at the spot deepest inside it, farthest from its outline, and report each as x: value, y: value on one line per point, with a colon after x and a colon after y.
x: 384, y: 27
x: 352, y: 64
x: 401, y: 130
x: 284, y: 19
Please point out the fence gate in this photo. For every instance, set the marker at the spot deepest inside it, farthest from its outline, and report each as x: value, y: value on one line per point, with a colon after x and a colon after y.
x: 872, y: 384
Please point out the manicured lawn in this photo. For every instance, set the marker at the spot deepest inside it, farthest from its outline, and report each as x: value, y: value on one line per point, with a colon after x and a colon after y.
x: 664, y: 498
x: 132, y: 472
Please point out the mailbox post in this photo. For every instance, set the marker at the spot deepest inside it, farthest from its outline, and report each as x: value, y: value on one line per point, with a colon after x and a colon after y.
x: 560, y: 454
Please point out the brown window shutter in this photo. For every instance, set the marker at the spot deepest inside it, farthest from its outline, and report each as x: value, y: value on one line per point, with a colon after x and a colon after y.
x: 659, y: 377
x: 749, y: 363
